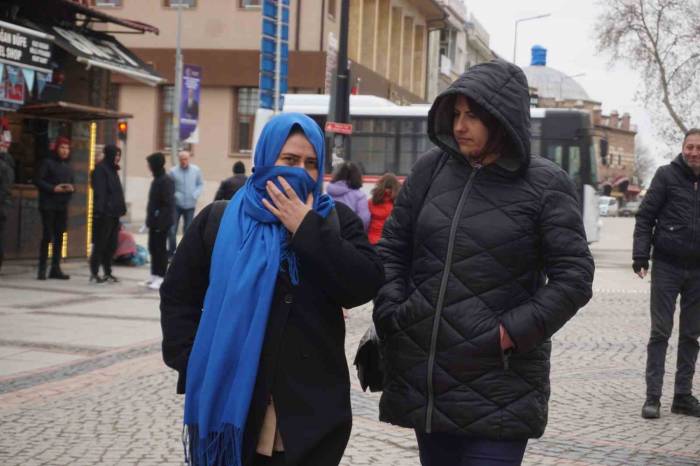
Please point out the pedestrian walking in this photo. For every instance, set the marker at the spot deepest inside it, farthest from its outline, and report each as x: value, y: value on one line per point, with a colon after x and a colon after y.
x: 345, y: 187
x: 55, y: 181
x: 160, y: 213
x: 276, y: 263
x: 188, y: 187
x: 381, y: 204
x: 668, y: 220
x: 108, y: 206
x: 231, y: 185
x: 7, y: 178
x: 486, y: 258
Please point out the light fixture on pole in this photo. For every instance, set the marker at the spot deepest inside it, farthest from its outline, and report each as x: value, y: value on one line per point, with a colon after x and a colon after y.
x: 518, y: 21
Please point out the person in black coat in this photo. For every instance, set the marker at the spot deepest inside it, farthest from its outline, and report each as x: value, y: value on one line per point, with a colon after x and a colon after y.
x: 160, y: 212
x: 108, y: 206
x: 668, y: 219
x: 230, y: 185
x: 302, y: 367
x: 55, y: 182
x: 485, y: 257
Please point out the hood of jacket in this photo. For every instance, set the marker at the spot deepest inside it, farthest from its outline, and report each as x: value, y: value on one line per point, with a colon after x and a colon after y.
x: 501, y: 89
x: 338, y: 188
x: 110, y: 155
x: 156, y: 163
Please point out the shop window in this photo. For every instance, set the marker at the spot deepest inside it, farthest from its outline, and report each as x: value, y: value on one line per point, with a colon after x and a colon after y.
x: 107, y: 3
x: 249, y: 3
x: 166, y: 116
x: 246, y: 105
x: 184, y: 3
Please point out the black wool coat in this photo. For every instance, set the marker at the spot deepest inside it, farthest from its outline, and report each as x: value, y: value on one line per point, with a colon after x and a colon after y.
x: 108, y: 195
x: 302, y: 364
x: 669, y: 217
x: 160, y: 210
x: 52, y: 172
x: 466, y: 249
x: 229, y: 186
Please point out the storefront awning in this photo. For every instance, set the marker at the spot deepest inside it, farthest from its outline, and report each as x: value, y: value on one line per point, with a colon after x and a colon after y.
x: 69, y: 111
x: 97, y: 15
x: 103, y: 51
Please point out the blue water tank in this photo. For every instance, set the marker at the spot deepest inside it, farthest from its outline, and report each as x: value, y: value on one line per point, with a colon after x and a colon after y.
x: 539, y: 56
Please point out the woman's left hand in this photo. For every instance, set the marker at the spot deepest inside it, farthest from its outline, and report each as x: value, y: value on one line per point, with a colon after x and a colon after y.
x: 286, y: 205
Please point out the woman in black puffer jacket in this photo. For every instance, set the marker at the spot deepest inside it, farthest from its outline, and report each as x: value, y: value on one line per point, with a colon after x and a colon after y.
x: 497, y: 262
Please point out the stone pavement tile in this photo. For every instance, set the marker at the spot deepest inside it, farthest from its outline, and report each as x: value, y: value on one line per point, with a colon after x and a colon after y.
x: 118, y: 308
x: 31, y: 360
x: 13, y: 297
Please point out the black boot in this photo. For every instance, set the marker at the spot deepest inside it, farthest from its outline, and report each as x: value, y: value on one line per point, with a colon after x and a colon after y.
x: 58, y: 274
x: 651, y: 408
x: 41, y: 275
x: 686, y: 404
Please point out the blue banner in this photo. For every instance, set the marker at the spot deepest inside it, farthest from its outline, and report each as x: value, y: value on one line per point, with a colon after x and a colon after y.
x: 189, y: 102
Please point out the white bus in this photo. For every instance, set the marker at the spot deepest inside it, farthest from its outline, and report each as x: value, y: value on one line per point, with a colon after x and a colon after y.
x: 388, y: 137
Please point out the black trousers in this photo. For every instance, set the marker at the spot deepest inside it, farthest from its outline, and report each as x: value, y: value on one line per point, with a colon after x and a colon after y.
x: 104, y: 242
x: 53, y: 225
x: 667, y: 282
x: 277, y: 459
x: 443, y: 449
x: 3, y: 222
x: 157, y: 248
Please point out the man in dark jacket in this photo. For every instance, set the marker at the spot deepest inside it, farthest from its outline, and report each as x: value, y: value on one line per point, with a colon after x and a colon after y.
x: 669, y: 219
x: 485, y: 258
x: 108, y: 206
x: 7, y: 177
x: 55, y: 182
x: 229, y: 186
x: 160, y: 212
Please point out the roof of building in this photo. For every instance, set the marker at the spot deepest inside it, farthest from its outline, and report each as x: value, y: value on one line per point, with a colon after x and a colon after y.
x: 551, y: 82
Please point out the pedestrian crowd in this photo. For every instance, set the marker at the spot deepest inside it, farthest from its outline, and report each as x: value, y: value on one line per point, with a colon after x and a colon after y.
x: 473, y: 262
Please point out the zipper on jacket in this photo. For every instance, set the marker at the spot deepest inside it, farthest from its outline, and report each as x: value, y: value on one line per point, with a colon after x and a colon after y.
x: 695, y: 210
x: 441, y: 297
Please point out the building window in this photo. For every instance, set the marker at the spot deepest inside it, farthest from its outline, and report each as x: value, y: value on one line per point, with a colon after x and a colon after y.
x: 246, y: 105
x: 331, y: 8
x: 107, y: 3
x: 249, y: 3
x: 184, y: 3
x: 166, y: 116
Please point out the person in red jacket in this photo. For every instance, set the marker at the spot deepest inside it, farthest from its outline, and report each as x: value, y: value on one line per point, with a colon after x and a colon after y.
x: 381, y: 205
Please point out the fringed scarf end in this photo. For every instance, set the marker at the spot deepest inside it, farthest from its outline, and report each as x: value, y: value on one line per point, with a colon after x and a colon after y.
x: 220, y: 448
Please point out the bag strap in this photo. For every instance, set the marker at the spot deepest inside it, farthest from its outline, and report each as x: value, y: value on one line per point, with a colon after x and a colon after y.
x: 212, y: 227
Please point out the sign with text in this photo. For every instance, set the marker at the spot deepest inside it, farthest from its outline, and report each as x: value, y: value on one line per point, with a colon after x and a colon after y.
x: 269, y: 56
x: 340, y: 128
x: 189, y: 103
x: 21, y: 47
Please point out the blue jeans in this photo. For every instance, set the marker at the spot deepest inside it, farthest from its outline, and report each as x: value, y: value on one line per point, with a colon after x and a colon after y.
x: 187, y: 215
x: 442, y: 449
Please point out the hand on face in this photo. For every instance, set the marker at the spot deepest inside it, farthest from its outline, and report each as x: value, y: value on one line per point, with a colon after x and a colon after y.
x: 286, y: 205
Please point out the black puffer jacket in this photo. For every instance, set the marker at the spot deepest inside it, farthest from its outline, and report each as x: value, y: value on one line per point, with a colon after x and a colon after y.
x: 52, y: 172
x: 108, y: 198
x: 669, y: 217
x: 474, y: 248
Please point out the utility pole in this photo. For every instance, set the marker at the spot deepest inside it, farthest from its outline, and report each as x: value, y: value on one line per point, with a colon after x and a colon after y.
x: 341, y: 99
x: 175, y: 137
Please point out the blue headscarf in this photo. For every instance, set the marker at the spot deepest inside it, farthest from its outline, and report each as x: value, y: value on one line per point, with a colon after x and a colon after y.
x: 250, y: 249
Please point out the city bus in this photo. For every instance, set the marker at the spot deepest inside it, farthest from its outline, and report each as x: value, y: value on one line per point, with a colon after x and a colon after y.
x: 387, y: 137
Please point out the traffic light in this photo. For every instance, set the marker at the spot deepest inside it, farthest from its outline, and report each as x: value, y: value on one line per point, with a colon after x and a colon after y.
x: 122, y: 129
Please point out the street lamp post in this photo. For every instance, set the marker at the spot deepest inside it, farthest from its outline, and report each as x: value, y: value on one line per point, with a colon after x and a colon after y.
x: 518, y: 21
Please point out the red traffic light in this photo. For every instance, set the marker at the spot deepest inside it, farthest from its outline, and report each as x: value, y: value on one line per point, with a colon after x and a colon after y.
x: 122, y: 129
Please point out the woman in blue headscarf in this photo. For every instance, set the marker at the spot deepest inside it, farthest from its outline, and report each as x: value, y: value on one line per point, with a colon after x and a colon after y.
x: 251, y: 311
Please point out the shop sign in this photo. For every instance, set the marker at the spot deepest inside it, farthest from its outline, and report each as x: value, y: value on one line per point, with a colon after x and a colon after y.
x: 189, y: 103
x: 19, y: 46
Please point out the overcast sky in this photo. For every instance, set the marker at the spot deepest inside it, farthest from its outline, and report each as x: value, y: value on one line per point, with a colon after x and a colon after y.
x: 568, y: 35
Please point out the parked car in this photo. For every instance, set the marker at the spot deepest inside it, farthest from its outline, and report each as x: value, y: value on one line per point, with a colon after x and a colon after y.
x: 629, y: 209
x: 607, y: 206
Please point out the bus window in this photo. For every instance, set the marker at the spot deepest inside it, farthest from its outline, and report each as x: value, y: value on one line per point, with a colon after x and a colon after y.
x: 555, y: 153
x: 413, y: 141
x: 574, y: 168
x: 372, y: 140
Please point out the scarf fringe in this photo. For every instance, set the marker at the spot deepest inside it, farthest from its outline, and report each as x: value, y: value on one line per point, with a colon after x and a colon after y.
x: 221, y: 448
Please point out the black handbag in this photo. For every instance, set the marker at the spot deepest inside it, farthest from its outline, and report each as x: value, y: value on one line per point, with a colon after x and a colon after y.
x: 368, y: 360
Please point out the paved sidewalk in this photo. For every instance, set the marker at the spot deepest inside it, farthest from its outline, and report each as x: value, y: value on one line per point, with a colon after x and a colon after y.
x: 82, y: 382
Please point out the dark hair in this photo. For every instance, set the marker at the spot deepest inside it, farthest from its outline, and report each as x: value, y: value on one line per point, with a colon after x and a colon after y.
x: 350, y: 173
x: 388, y: 181
x: 691, y: 132
x: 239, y: 168
x: 499, y: 141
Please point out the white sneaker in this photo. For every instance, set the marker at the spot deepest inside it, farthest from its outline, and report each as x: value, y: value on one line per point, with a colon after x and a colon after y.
x: 148, y: 282
x: 155, y: 284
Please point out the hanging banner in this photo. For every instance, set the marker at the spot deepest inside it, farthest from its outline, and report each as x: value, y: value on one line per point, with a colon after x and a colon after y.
x: 25, y: 47
x: 269, y: 67
x: 41, y: 80
x: 29, y: 78
x: 12, y: 89
x: 189, y: 103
